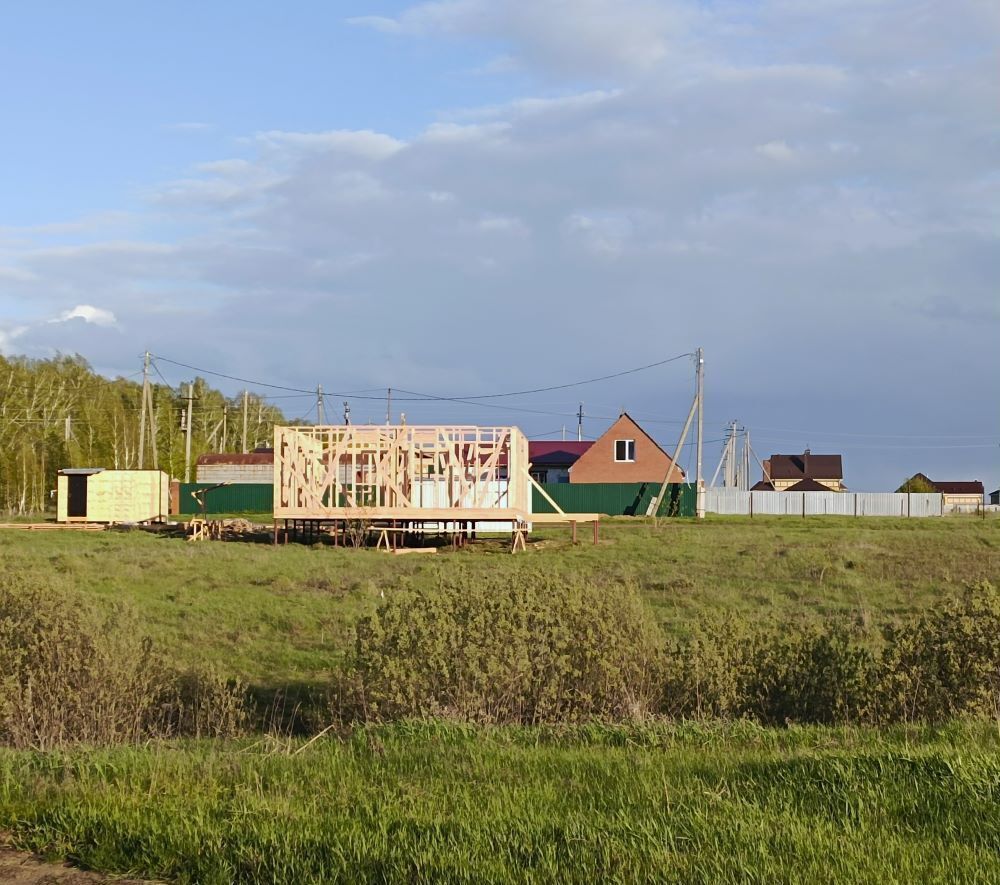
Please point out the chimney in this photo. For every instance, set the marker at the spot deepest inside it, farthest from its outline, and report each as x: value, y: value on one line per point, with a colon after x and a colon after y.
x: 805, y: 464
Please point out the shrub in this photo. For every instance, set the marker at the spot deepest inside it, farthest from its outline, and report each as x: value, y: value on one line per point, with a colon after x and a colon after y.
x: 523, y: 648
x: 768, y: 672
x: 946, y: 662
x: 69, y: 675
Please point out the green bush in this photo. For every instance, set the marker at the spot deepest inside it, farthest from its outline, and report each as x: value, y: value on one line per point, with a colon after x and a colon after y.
x: 728, y: 669
x: 946, y: 662
x: 524, y: 648
x: 68, y: 676
x: 943, y: 664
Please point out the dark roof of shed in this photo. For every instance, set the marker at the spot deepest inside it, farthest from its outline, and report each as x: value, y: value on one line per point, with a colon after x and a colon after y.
x: 806, y: 466
x: 237, y: 458
x: 762, y: 486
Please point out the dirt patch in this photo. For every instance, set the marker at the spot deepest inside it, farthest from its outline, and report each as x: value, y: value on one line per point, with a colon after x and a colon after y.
x: 20, y: 868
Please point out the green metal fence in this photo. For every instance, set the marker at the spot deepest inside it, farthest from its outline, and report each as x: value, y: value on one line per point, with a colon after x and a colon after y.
x: 244, y: 497
x: 612, y: 498
x: 615, y: 498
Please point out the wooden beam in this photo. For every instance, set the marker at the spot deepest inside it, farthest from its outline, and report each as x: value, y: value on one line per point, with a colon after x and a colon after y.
x: 545, y: 494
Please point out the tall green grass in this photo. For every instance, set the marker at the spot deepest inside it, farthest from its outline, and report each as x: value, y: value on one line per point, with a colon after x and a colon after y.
x: 285, y: 616
x: 425, y: 802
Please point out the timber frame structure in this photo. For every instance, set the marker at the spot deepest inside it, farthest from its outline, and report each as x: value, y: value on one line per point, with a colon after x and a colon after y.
x: 412, y: 478
x: 375, y: 472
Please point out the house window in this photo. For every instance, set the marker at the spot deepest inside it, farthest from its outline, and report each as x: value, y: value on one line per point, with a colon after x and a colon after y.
x: 624, y: 449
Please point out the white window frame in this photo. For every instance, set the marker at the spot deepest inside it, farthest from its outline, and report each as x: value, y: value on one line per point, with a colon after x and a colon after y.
x: 629, y: 447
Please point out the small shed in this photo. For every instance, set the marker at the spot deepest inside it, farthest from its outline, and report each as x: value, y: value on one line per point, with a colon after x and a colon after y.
x: 93, y: 494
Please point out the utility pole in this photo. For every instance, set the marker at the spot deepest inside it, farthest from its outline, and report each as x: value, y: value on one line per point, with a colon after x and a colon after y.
x: 142, y: 411
x: 729, y: 476
x: 700, y: 487
x: 564, y: 433
x: 725, y: 459
x: 246, y: 402
x: 388, y: 405
x: 68, y: 430
x: 187, y: 434
x: 320, y: 417
x: 147, y: 410
x: 347, y: 412
x: 579, y: 424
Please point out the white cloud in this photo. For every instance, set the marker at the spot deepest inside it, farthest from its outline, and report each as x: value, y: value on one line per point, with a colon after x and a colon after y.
x: 799, y: 192
x: 567, y: 35
x: 98, y: 316
x: 359, y: 143
x: 778, y: 151
x: 16, y: 275
x: 8, y: 337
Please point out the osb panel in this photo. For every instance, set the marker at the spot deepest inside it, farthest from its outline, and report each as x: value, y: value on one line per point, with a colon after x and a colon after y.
x: 115, y: 496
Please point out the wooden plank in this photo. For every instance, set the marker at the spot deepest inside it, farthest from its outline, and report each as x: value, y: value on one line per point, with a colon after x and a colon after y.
x: 562, y: 518
x: 545, y: 494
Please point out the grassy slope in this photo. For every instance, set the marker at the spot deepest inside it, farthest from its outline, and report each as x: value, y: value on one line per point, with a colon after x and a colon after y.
x: 283, y: 616
x: 439, y: 803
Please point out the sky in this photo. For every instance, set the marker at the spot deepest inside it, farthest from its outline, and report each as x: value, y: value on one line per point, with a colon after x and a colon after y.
x: 464, y: 198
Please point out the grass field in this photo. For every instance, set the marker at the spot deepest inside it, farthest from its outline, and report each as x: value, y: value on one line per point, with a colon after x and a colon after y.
x: 666, y: 802
x: 423, y: 803
x: 283, y: 616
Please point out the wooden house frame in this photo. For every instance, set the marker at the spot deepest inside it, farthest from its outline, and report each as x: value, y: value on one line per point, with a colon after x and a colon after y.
x: 401, y: 472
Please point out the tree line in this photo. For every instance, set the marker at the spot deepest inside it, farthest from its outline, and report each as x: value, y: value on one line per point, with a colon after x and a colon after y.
x: 59, y: 412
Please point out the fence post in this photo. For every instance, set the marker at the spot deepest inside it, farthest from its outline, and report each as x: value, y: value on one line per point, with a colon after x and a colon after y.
x: 855, y: 504
x: 803, y: 505
x: 751, y: 504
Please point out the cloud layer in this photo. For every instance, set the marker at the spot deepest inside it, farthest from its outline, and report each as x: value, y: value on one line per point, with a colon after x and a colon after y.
x: 808, y: 190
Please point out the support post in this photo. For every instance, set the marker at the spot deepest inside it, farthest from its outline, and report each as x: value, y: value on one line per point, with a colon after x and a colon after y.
x: 246, y: 403
x: 700, y: 500
x: 142, y: 411
x: 654, y: 505
x: 187, y: 434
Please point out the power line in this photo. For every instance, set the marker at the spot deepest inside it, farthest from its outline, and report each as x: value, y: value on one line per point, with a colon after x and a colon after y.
x: 551, y: 387
x: 421, y: 397
x: 820, y: 433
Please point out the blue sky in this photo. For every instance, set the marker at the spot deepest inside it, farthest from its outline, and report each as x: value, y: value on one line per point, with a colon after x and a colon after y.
x: 465, y: 197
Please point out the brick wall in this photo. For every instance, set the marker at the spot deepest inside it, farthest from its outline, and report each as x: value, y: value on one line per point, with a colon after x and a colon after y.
x: 598, y: 463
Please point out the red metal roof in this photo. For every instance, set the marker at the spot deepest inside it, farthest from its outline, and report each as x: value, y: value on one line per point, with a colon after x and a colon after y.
x: 539, y: 448
x: 959, y: 488
x: 808, y: 485
x: 805, y: 466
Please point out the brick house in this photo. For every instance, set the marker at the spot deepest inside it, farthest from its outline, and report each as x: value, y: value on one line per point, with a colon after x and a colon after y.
x: 625, y: 453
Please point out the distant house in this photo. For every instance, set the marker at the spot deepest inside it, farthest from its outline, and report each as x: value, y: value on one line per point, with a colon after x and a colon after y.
x: 802, y: 473
x: 995, y: 497
x: 551, y: 460
x: 964, y: 495
x: 233, y: 467
x: 625, y: 453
